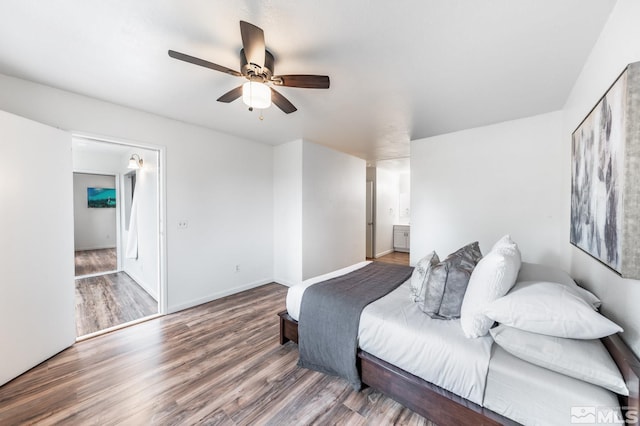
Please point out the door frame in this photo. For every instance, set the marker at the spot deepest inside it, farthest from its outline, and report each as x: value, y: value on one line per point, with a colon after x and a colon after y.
x: 370, y: 215
x: 162, y: 207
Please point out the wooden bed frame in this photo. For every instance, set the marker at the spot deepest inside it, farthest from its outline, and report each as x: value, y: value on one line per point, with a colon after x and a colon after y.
x: 446, y: 408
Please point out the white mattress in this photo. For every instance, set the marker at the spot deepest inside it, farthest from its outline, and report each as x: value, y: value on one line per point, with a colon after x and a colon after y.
x: 533, y: 395
x: 395, y: 330
x: 294, y: 295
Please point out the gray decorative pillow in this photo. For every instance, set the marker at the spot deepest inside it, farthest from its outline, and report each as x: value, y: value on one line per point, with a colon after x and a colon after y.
x: 447, y: 283
x: 420, y: 275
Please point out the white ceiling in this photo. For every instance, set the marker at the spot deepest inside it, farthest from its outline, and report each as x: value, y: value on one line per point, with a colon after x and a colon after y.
x: 400, y: 70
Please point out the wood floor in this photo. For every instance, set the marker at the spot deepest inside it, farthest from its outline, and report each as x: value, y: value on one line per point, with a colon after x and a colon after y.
x: 95, y: 261
x: 396, y: 257
x: 217, y: 364
x: 109, y: 300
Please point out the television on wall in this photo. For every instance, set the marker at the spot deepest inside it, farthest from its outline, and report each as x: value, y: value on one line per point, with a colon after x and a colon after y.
x: 101, y: 198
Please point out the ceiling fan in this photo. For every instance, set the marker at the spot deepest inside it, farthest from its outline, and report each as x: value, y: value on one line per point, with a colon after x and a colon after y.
x: 257, y: 66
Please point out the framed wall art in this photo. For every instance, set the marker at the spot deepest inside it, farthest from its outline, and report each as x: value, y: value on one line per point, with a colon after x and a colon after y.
x: 101, y: 198
x: 605, y: 177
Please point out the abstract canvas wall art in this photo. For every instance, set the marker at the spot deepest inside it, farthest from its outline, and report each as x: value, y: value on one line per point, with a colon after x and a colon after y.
x: 605, y: 214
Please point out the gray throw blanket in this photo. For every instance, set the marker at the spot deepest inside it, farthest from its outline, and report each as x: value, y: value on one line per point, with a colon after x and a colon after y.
x: 330, y: 317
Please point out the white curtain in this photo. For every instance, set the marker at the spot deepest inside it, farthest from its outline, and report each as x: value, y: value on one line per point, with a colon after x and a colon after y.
x: 132, y: 237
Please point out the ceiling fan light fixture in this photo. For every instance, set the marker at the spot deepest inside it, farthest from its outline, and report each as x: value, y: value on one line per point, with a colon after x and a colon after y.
x: 257, y: 66
x: 256, y: 95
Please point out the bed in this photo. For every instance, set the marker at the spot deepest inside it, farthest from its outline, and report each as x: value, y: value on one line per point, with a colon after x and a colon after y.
x: 471, y: 381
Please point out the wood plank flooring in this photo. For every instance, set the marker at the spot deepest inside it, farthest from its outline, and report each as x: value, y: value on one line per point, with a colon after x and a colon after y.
x: 109, y: 300
x: 217, y: 364
x: 396, y: 257
x: 95, y: 261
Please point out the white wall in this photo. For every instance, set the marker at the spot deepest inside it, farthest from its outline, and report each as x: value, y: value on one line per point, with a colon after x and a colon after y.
x: 287, y: 197
x: 92, y: 228
x: 319, y: 211
x: 37, y: 315
x: 96, y: 162
x: 333, y: 210
x: 221, y: 184
x: 617, y: 46
x: 387, y: 206
x: 479, y: 184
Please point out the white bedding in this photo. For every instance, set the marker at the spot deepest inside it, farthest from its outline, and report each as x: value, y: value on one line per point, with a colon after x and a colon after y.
x: 395, y: 330
x: 294, y: 295
x: 533, y: 395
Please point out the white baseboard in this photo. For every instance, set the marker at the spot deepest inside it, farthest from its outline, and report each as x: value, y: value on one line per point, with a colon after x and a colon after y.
x: 384, y: 253
x: 153, y: 292
x: 284, y: 282
x: 218, y: 295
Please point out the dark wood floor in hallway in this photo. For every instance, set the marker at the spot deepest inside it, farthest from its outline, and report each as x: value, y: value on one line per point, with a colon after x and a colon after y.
x: 109, y: 300
x: 218, y: 364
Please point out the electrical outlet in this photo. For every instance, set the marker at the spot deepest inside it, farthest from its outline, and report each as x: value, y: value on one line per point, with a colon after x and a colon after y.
x: 183, y: 224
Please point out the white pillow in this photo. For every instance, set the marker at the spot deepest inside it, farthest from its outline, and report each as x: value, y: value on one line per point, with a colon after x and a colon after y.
x: 588, y: 297
x: 492, y: 278
x: 505, y: 243
x: 536, y: 272
x: 552, y: 309
x: 420, y: 275
x: 587, y: 360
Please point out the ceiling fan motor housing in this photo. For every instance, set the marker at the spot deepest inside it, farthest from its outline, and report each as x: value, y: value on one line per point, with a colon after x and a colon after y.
x: 254, y: 72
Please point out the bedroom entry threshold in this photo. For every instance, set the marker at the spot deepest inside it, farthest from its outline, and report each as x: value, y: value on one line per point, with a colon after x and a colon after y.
x: 117, y: 327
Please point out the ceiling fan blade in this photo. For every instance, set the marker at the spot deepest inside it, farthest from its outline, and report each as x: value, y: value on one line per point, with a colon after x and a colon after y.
x: 282, y: 102
x: 302, y: 80
x: 231, y: 95
x: 203, y: 63
x: 253, y: 43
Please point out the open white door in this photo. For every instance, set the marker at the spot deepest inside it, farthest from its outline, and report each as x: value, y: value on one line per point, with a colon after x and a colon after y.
x: 37, y: 309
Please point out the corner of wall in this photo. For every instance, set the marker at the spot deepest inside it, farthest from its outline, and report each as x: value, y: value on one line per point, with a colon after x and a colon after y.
x: 287, y: 217
x: 615, y: 48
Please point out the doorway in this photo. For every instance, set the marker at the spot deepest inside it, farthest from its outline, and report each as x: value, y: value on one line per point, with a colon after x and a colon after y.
x: 388, y: 208
x: 95, y: 224
x: 118, y: 245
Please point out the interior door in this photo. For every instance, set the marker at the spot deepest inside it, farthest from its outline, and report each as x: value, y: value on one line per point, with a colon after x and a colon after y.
x: 37, y: 308
x: 369, y: 201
